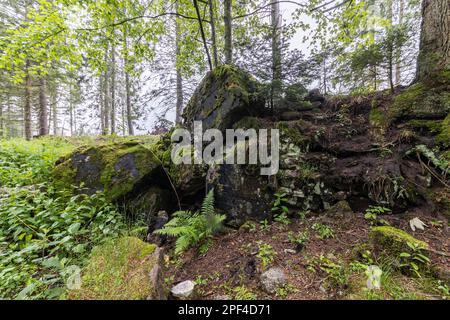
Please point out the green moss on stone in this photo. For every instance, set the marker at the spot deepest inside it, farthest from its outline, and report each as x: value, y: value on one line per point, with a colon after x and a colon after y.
x: 289, y: 130
x: 393, y: 241
x: 116, y: 167
x: 420, y: 101
x: 433, y: 126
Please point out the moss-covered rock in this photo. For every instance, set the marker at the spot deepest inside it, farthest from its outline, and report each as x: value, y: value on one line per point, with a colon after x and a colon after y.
x: 122, y: 269
x: 115, y: 168
x: 420, y: 101
x: 392, y: 241
x: 224, y: 96
x: 339, y: 209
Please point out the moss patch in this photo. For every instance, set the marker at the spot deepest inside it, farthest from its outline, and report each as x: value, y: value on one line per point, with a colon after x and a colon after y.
x: 393, y: 241
x: 118, y: 270
x: 444, y: 136
x: 111, y: 167
x: 420, y: 102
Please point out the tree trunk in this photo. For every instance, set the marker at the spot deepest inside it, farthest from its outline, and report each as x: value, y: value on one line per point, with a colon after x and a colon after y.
x: 129, y: 109
x: 43, y: 107
x: 228, y: 32
x: 106, y: 95
x: 390, y: 49
x: 202, y: 32
x: 179, y: 89
x: 129, y: 115
x: 27, y: 108
x: 1, y: 121
x: 55, y: 111
x: 398, y: 54
x: 212, y: 22
x: 113, y: 90
x: 101, y: 103
x: 434, y: 49
x: 276, y: 52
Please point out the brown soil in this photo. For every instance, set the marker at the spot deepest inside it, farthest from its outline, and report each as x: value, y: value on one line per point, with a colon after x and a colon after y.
x: 231, y: 261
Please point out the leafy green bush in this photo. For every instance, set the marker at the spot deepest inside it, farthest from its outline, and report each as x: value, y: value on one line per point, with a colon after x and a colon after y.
x: 323, y: 231
x: 266, y: 254
x: 28, y: 162
x: 194, y: 228
x: 42, y: 232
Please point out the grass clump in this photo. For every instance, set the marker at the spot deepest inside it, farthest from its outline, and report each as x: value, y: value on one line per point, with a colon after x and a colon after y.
x: 118, y: 269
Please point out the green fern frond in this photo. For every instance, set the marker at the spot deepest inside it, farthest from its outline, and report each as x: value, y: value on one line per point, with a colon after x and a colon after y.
x: 208, y: 204
x: 193, y: 228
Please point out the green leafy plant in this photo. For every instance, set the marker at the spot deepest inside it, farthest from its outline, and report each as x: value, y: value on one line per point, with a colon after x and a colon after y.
x: 303, y: 214
x: 243, y: 293
x: 338, y: 274
x: 323, y: 231
x: 195, y: 228
x: 283, y: 291
x: 283, y: 219
x: 44, y: 233
x: 279, y: 204
x: 266, y: 254
x: 299, y: 239
x: 414, y: 259
x: 265, y: 225
x: 371, y: 214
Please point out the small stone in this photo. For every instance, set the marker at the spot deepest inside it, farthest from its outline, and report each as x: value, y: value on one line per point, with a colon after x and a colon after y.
x: 273, y: 279
x: 183, y: 290
x: 291, y: 251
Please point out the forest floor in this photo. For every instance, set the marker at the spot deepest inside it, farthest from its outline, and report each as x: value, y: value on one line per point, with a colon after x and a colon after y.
x: 330, y: 268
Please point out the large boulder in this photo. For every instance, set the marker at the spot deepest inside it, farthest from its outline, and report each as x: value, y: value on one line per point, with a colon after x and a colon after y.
x: 241, y: 192
x: 224, y: 96
x: 115, y: 168
x: 122, y: 269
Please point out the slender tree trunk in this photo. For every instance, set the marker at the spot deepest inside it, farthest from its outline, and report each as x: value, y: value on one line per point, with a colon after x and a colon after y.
x: 106, y: 96
x: 2, y: 123
x: 43, y: 107
x: 71, y: 117
x: 179, y: 89
x: 27, y: 108
x: 325, y: 76
x: 212, y: 22
x: 55, y: 110
x: 398, y: 53
x: 202, y: 32
x: 129, y: 115
x: 434, y: 48
x: 113, y: 90
x: 101, y: 102
x: 390, y: 48
x: 276, y: 52
x: 228, y: 32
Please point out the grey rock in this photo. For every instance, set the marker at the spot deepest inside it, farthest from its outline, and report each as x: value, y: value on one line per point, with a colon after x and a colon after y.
x: 184, y: 290
x: 273, y: 279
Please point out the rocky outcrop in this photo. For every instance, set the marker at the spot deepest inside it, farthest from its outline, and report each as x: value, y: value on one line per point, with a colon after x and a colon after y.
x: 114, y: 168
x: 223, y: 97
x: 128, y: 172
x: 241, y: 192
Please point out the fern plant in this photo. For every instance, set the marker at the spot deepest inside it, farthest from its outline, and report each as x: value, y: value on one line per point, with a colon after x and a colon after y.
x: 193, y: 228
